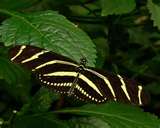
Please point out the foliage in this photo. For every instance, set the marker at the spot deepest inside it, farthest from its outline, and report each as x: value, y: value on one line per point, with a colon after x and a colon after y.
x: 116, y: 35
x: 117, y: 115
x: 154, y: 10
x: 110, y: 7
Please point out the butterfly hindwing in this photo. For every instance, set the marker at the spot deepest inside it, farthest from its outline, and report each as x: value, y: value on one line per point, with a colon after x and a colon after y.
x: 63, y: 75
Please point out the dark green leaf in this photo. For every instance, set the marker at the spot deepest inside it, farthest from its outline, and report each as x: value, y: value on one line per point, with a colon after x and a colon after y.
x: 117, y: 115
x: 16, y: 4
x: 78, y: 10
x: 139, y: 36
x: 154, y: 64
x: 43, y: 100
x: 110, y: 7
x: 11, y: 73
x: 154, y: 9
x: 102, y: 51
x: 18, y: 80
x: 153, y: 88
x: 41, y: 120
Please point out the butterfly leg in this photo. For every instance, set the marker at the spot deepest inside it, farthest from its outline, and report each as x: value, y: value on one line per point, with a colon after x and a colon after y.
x: 71, y: 90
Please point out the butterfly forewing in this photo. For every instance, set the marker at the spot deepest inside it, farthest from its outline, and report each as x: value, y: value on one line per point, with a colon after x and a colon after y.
x: 33, y: 57
x: 58, y: 73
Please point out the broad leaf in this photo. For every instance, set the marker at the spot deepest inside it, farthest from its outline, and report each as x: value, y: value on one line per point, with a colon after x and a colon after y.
x: 110, y: 7
x: 154, y: 9
x: 117, y: 115
x: 48, y: 30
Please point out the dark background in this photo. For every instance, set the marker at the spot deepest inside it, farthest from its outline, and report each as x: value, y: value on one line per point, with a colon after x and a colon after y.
x: 126, y: 42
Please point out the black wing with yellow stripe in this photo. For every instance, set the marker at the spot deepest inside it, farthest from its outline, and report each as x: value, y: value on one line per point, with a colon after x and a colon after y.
x: 58, y: 73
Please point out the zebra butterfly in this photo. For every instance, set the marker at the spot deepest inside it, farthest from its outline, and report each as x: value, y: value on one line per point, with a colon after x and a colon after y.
x: 87, y: 84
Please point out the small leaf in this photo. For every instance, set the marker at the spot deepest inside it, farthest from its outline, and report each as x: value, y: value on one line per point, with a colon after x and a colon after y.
x: 78, y: 10
x: 102, y: 51
x: 88, y: 122
x: 48, y: 30
x: 117, y: 115
x: 153, y: 64
x: 43, y: 100
x: 139, y: 36
x: 110, y: 7
x: 41, y: 120
x: 154, y: 9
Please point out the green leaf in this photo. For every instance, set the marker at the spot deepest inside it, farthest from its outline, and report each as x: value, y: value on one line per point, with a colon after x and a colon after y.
x: 43, y: 100
x: 41, y: 120
x: 88, y: 122
x: 154, y: 9
x: 16, y: 4
x: 11, y: 73
x: 1, y: 121
x: 78, y: 10
x: 110, y: 7
x: 102, y: 51
x: 48, y: 30
x: 117, y: 115
x: 153, y: 64
x: 17, y: 79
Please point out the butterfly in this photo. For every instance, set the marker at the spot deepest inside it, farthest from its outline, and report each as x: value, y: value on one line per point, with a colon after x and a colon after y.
x: 67, y: 77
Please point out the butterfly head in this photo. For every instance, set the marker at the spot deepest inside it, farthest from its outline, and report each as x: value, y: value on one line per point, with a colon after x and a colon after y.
x: 83, y: 61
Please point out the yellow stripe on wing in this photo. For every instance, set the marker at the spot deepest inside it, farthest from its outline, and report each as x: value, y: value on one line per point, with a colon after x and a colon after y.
x: 139, y: 94
x: 54, y: 62
x: 35, y: 56
x: 124, y: 88
x: 19, y: 52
